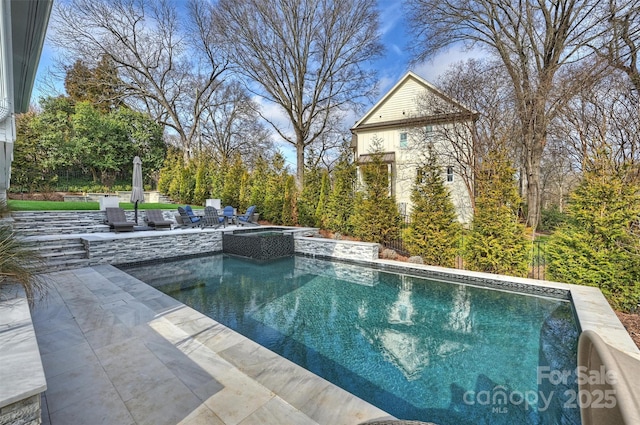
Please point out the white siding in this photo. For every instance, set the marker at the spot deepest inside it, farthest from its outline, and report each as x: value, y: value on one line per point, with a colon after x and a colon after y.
x: 402, y: 103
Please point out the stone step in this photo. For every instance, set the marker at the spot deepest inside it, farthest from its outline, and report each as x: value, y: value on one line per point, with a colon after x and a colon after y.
x: 78, y: 254
x: 66, y: 264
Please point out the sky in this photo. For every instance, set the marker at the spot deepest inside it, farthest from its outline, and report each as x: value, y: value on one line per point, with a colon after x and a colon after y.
x: 395, y: 62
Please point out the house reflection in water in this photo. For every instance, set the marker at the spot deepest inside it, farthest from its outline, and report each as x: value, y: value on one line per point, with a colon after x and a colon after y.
x: 410, y: 338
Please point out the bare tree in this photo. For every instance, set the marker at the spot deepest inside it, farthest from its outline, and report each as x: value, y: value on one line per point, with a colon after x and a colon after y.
x: 533, y: 40
x: 621, y: 42
x: 306, y: 56
x: 480, y: 86
x: 603, y: 118
x: 170, y: 70
x: 231, y: 125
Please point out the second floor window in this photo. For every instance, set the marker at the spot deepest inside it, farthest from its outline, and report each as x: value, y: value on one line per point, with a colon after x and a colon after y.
x: 449, y: 174
x: 403, y: 140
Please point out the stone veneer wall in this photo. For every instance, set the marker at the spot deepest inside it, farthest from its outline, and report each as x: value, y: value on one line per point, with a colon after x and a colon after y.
x: 131, y: 248
x: 346, y: 250
x: 23, y: 412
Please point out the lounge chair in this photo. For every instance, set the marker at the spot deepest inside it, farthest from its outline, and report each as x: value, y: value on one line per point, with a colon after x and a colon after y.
x: 117, y: 220
x: 247, y: 218
x: 189, y: 220
x: 155, y: 219
x: 211, y: 218
x: 228, y: 214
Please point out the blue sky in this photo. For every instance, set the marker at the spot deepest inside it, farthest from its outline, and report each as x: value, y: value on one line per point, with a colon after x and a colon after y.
x: 391, y: 67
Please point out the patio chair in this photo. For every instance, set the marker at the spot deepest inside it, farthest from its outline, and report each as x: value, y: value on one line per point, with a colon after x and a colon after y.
x: 247, y: 218
x: 117, y: 220
x: 211, y: 218
x: 155, y: 219
x: 188, y: 220
x: 228, y: 214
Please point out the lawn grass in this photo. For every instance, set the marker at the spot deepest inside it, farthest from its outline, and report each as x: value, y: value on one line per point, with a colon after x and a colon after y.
x: 18, y: 205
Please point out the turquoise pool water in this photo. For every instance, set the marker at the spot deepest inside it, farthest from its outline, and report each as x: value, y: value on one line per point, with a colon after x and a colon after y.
x: 417, y: 348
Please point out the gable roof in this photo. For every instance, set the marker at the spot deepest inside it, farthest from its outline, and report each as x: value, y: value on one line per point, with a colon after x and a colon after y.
x: 463, y: 114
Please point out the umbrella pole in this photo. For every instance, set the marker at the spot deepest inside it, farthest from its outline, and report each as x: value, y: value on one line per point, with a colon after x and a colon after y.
x: 136, y: 209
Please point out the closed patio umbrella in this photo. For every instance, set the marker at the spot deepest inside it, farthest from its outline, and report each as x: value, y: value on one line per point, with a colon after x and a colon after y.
x: 137, y: 191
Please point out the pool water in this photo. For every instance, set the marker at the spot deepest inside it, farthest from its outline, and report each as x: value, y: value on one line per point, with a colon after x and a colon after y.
x: 416, y: 348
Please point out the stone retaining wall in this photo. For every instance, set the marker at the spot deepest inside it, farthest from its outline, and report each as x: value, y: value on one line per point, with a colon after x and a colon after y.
x: 23, y: 412
x: 346, y: 250
x: 132, y: 248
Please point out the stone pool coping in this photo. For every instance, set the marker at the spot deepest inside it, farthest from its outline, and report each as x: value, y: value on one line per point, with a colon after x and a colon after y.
x: 22, y: 376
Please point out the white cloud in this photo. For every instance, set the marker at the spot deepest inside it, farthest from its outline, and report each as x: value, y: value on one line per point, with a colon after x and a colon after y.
x: 434, y: 68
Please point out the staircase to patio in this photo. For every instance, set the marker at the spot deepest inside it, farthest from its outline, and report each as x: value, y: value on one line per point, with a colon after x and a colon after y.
x: 59, y: 252
x: 55, y: 235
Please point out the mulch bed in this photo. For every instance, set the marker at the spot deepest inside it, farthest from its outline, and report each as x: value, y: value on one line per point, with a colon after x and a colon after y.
x: 632, y: 323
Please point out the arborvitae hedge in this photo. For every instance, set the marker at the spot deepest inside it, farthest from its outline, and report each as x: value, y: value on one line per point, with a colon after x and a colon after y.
x: 497, y: 242
x: 599, y: 244
x: 434, y: 230
x: 375, y: 215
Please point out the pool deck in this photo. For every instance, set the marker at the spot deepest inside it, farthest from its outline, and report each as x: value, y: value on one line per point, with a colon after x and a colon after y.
x: 117, y: 351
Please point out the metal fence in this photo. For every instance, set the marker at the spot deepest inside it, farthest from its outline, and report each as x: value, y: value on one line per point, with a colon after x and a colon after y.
x: 537, y: 258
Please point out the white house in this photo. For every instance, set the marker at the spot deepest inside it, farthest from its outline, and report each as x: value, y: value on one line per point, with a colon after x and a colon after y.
x: 406, y: 120
x: 23, y: 24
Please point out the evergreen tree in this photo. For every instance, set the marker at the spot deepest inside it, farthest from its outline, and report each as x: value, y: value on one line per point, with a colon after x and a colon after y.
x: 598, y: 246
x: 28, y: 154
x: 232, y: 183
x: 245, y: 191
x: 259, y: 179
x: 325, y: 189
x: 375, y: 216
x: 170, y: 174
x: 187, y: 184
x: 274, y: 195
x: 201, y: 191
x: 434, y: 230
x: 216, y: 180
x: 497, y: 242
x: 341, y: 199
x: 289, y: 201
x: 308, y: 200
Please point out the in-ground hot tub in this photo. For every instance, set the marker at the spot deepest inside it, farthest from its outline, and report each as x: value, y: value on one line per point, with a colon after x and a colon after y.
x: 260, y: 244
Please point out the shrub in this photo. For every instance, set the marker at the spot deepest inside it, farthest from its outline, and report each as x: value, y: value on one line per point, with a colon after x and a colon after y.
x: 497, y: 242
x: 552, y: 219
x: 598, y: 245
x: 375, y: 216
x: 434, y: 230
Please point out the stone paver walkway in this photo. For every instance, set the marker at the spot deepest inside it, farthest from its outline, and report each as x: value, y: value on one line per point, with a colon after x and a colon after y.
x: 117, y: 351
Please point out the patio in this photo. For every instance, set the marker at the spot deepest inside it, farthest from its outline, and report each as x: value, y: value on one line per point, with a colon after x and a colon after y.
x: 117, y: 351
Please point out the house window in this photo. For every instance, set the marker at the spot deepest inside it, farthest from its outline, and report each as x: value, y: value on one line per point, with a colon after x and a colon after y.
x: 428, y: 130
x: 449, y: 174
x: 403, y: 140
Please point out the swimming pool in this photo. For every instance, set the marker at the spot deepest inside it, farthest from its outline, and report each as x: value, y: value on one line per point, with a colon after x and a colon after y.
x: 417, y: 348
